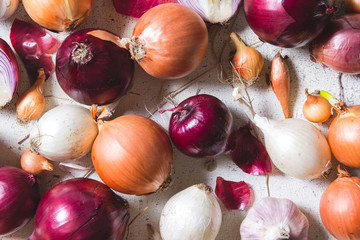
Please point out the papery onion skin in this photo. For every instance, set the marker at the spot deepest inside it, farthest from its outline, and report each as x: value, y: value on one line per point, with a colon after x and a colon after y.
x: 218, y: 11
x: 234, y: 195
x: 64, y: 133
x: 344, y: 136
x: 19, y: 197
x: 340, y: 207
x: 136, y: 8
x: 9, y: 73
x: 200, y: 126
x: 287, y: 23
x: 169, y: 48
x: 93, y: 71
x: 58, y: 15
x: 316, y: 108
x: 338, y: 47
x: 81, y: 208
x: 133, y: 155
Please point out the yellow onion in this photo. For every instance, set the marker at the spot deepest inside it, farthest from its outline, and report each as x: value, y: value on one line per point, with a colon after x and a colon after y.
x: 353, y: 5
x: 169, y: 41
x: 316, y: 108
x: 58, y: 15
x: 132, y: 155
x: 340, y: 207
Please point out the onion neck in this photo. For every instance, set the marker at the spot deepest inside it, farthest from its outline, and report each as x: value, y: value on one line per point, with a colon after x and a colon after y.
x: 204, y: 187
x: 81, y: 53
x: 137, y: 48
x: 338, y: 105
x: 342, y: 173
x: 165, y: 184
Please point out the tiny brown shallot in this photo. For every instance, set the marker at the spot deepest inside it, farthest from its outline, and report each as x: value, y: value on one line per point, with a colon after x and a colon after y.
x: 280, y: 82
x: 316, y: 108
x: 132, y: 155
x: 34, y: 164
x: 340, y: 207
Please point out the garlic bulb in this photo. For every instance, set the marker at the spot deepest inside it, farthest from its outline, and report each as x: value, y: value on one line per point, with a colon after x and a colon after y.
x: 7, y: 8
x: 192, y: 214
x: 64, y: 133
x: 273, y: 219
x: 213, y: 11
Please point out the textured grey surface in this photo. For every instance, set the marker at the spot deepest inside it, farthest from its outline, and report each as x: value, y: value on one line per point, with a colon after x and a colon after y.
x: 148, y: 92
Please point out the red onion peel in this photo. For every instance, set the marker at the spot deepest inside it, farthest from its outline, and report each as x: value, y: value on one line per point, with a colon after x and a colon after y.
x: 136, y: 8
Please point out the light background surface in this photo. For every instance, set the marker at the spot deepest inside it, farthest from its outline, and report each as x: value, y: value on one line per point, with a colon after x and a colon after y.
x: 148, y: 92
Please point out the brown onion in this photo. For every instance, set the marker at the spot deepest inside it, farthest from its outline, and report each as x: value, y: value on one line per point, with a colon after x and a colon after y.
x: 58, y: 15
x: 353, y: 5
x: 316, y: 108
x: 340, y: 207
x: 35, y: 164
x: 133, y: 155
x: 169, y: 41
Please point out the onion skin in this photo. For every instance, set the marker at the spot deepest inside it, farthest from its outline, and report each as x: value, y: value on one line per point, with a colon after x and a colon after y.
x: 340, y: 207
x: 136, y: 8
x: 338, y: 47
x: 287, y: 23
x: 140, y: 158
x: 344, y: 136
x: 200, y: 126
x: 81, y: 208
x: 100, y: 77
x: 58, y: 15
x: 19, y: 197
x: 172, y: 48
x: 34, y: 164
x: 316, y: 108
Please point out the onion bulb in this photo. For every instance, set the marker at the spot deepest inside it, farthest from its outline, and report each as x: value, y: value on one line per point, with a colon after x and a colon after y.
x: 65, y: 133
x: 34, y: 164
x: 340, y: 207
x: 136, y: 8
x: 58, y: 15
x: 295, y: 146
x: 193, y: 213
x: 352, y: 5
x: 316, y: 108
x: 164, y: 46
x: 7, y: 8
x: 132, y: 155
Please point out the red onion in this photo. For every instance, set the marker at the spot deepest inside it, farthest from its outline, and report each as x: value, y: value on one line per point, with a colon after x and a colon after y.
x: 234, y: 195
x: 91, y: 70
x: 19, y: 197
x: 9, y: 74
x: 33, y: 45
x: 81, y: 208
x: 200, y: 126
x: 338, y: 47
x: 287, y: 23
x: 136, y: 8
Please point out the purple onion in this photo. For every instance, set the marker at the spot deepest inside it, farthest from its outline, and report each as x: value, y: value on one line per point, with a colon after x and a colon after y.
x: 200, y: 126
x: 9, y: 73
x: 81, y: 208
x: 19, y: 197
x: 93, y: 71
x: 136, y: 8
x: 33, y: 45
x: 287, y: 23
x: 338, y: 47
x: 213, y: 11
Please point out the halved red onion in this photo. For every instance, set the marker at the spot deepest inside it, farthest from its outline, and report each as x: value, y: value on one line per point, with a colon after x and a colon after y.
x: 136, y: 8
x: 338, y: 47
x: 93, y: 71
x: 234, y: 195
x: 218, y: 11
x: 249, y: 154
x: 33, y: 45
x: 287, y: 23
x: 9, y: 73
x: 81, y: 208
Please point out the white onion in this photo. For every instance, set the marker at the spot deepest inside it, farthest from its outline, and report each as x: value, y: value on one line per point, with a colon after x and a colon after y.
x: 7, y: 8
x: 193, y: 213
x: 64, y: 133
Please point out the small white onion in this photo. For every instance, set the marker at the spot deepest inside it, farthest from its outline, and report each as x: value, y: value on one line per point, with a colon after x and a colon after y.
x: 7, y: 8
x: 295, y: 146
x: 64, y: 133
x: 274, y: 218
x: 193, y: 213
x: 213, y: 11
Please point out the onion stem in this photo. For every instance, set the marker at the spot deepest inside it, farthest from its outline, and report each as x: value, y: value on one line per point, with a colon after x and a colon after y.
x: 328, y: 96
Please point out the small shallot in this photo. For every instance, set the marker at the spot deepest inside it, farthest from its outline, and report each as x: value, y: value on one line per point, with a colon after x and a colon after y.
x: 248, y: 62
x: 274, y: 218
x: 34, y: 164
x: 316, y: 108
x: 30, y: 105
x: 193, y: 213
x: 280, y: 82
